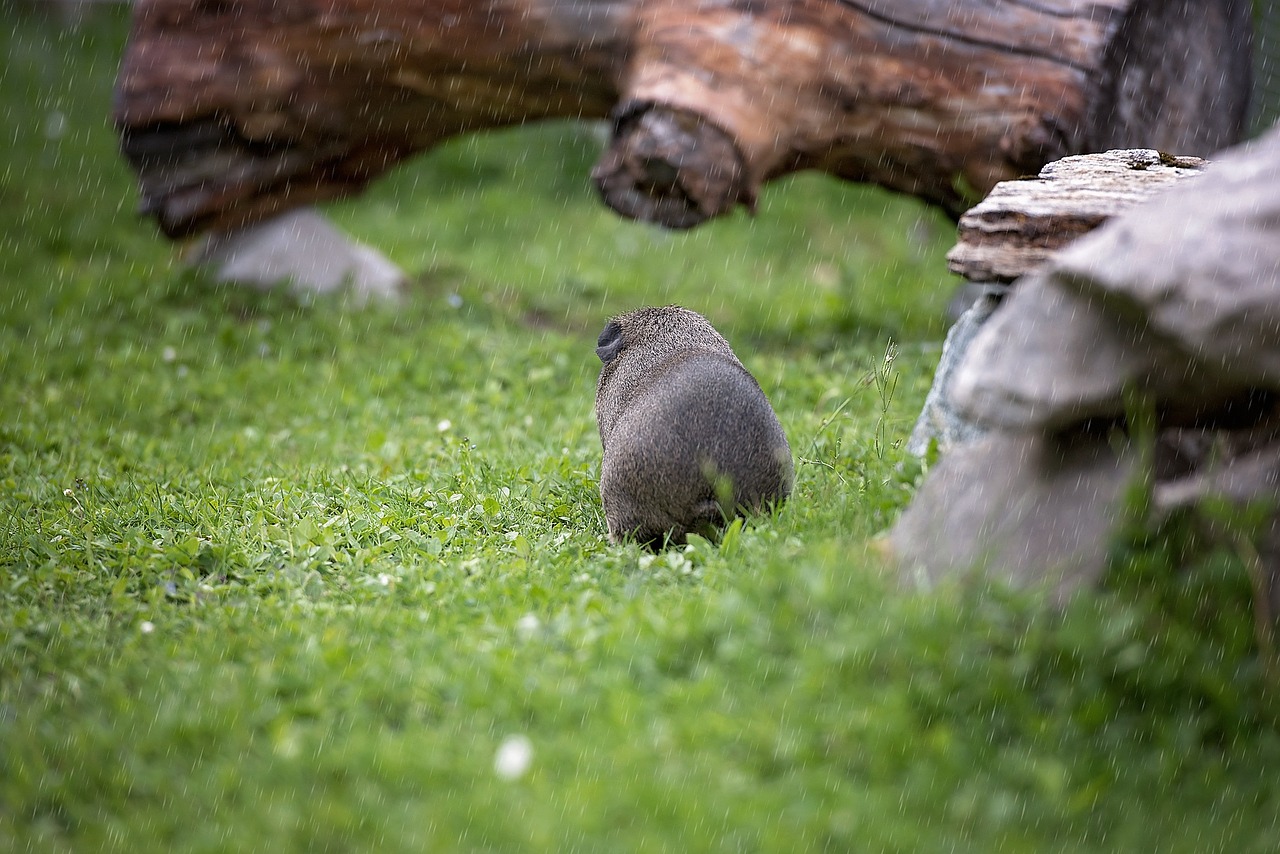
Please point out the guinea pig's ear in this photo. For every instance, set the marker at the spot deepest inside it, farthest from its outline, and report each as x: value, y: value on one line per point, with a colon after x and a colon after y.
x: 610, y: 342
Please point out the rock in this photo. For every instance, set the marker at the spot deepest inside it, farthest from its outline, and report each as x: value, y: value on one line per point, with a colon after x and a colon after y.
x: 1200, y: 265
x: 939, y: 422
x: 1240, y: 480
x: 1217, y: 495
x: 1175, y: 305
x: 1031, y: 510
x: 304, y: 249
x: 1050, y: 358
x: 1176, y: 299
x: 1233, y: 459
x: 1011, y: 234
x: 1021, y: 224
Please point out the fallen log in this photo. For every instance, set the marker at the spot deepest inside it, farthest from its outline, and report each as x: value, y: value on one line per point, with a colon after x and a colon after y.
x: 231, y: 112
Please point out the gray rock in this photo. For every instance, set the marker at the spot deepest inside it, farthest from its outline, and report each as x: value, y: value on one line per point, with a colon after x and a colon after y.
x: 1176, y: 302
x: 1031, y: 510
x: 1175, y: 299
x: 1200, y: 265
x: 1216, y: 496
x: 1050, y: 358
x: 939, y: 421
x: 1251, y: 477
x: 303, y: 249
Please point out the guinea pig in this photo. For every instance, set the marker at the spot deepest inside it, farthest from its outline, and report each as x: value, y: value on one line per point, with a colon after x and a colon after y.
x: 689, y: 438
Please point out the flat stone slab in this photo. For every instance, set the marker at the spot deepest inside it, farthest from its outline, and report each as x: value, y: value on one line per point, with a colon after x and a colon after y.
x: 1021, y: 224
x: 302, y: 250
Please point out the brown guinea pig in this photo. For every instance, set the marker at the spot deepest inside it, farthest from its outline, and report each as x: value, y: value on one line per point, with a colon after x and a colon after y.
x: 689, y: 438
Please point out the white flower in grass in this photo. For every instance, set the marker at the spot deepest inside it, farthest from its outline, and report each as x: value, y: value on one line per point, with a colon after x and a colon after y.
x: 528, y: 625
x: 385, y: 579
x: 169, y: 354
x: 513, y: 758
x: 679, y: 563
x: 146, y: 627
x: 444, y: 425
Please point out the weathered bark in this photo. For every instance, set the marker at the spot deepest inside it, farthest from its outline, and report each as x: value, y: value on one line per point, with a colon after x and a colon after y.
x: 233, y: 111
x: 1021, y: 224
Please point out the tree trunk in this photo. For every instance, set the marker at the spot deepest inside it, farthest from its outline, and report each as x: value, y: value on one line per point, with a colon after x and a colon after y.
x: 232, y: 111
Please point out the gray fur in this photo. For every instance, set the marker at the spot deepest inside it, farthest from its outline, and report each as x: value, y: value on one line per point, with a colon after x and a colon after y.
x: 689, y: 438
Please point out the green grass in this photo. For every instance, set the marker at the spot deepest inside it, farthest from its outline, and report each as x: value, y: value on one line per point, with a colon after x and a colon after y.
x: 282, y: 575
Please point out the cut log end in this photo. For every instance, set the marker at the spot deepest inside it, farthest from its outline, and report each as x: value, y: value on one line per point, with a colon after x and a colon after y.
x: 671, y: 167
x: 231, y: 112
x: 205, y: 176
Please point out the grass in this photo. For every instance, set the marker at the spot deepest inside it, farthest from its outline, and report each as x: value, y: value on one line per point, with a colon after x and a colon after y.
x: 287, y: 575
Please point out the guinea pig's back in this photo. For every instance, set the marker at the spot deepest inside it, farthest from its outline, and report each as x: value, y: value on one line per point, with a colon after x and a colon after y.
x: 702, y: 424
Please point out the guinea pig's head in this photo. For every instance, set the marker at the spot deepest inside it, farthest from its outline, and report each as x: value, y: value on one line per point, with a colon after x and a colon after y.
x: 656, y: 332
x: 636, y: 347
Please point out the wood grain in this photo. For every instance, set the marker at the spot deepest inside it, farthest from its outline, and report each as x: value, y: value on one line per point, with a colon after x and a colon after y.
x: 232, y: 111
x: 1021, y: 224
